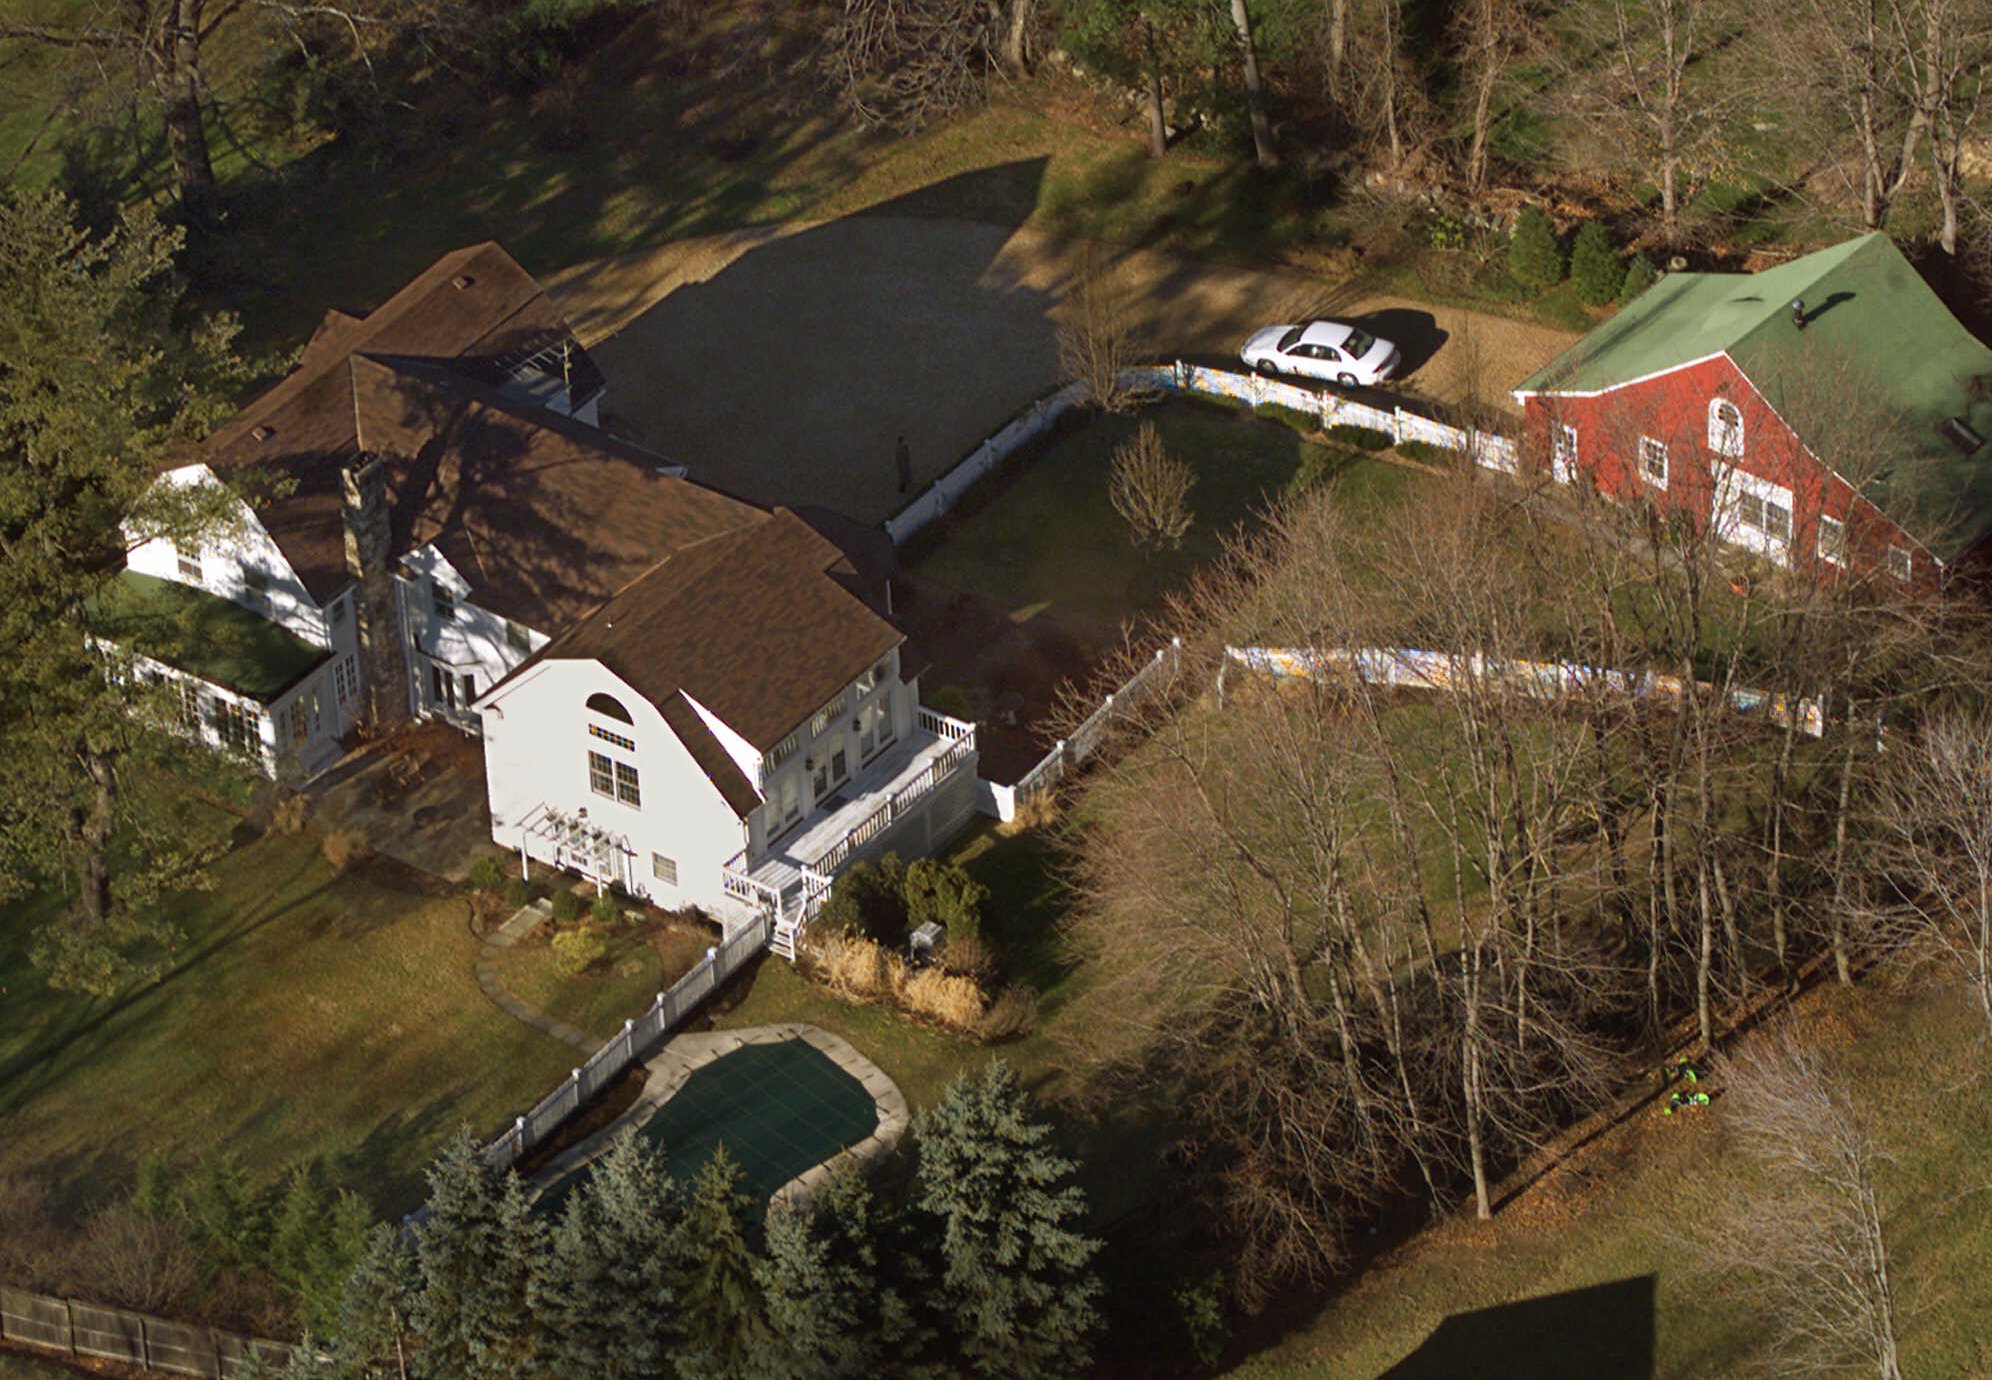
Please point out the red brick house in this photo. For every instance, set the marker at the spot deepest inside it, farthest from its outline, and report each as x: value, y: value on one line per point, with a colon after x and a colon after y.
x: 1829, y: 412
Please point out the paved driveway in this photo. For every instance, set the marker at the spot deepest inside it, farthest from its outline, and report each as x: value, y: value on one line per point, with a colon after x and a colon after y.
x: 781, y: 365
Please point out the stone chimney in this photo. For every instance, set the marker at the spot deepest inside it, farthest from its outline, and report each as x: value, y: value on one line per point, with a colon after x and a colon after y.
x: 377, y: 621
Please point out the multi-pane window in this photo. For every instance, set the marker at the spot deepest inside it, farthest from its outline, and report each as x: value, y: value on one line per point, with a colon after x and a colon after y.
x: 190, y: 569
x: 1766, y: 515
x: 1900, y: 563
x: 782, y: 751
x: 664, y: 869
x: 1563, y: 452
x: 441, y: 602
x: 601, y: 775
x: 1653, y: 461
x: 789, y: 798
x: 338, y: 611
x: 874, y: 728
x: 1725, y: 427
x: 870, y: 679
x: 1832, y: 540
x: 597, y: 731
x: 192, y: 709
x: 240, y: 728
x: 827, y: 715
x: 627, y: 790
x: 300, y: 720
x: 517, y: 637
x: 450, y: 690
x: 346, y: 678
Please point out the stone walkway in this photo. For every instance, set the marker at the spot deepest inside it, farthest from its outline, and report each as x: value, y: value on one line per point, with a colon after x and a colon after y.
x: 503, y: 938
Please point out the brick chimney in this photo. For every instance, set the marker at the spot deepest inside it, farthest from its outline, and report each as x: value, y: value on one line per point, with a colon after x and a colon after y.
x: 377, y: 621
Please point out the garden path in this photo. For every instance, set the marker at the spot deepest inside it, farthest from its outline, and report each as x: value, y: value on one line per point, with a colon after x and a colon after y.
x: 503, y: 938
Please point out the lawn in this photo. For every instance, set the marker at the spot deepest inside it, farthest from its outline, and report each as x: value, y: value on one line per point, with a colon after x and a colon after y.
x: 1596, y: 1224
x: 642, y: 961
x: 1041, y: 539
x: 306, y: 1015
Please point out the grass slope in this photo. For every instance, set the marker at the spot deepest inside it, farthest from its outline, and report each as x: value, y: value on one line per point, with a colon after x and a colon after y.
x: 1602, y: 1219
x: 305, y: 1015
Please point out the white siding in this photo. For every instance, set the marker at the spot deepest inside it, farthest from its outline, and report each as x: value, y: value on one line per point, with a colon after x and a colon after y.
x: 471, y: 641
x: 536, y: 746
x: 223, y: 561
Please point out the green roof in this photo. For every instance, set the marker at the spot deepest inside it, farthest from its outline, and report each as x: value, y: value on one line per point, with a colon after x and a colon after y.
x: 204, y: 635
x: 1876, y: 339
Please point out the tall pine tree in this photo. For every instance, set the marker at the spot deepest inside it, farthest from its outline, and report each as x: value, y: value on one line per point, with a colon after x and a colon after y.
x: 725, y: 1322
x: 103, y: 379
x: 475, y: 1256
x: 832, y: 1282
x: 1015, y: 1287
x: 370, y: 1340
x: 606, y: 1302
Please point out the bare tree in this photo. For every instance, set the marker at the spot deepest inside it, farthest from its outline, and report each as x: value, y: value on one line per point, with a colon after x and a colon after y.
x: 1150, y: 489
x: 1263, y: 148
x: 1839, y: 66
x: 1096, y: 333
x: 1488, y: 36
x: 908, y: 63
x: 1933, y: 818
x: 1809, y: 1243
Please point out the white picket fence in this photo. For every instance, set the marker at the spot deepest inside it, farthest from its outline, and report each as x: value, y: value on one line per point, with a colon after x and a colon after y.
x: 1544, y: 680
x: 943, y: 493
x: 1067, y: 754
x: 629, y: 1044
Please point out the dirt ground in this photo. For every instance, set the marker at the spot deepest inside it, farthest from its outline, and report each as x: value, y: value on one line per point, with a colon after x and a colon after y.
x: 782, y: 364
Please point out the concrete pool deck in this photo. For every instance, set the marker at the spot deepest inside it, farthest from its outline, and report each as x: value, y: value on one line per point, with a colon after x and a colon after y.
x: 668, y: 1070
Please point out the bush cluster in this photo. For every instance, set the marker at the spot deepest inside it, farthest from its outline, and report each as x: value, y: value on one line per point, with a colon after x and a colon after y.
x: 1361, y: 437
x: 1595, y: 267
x: 885, y: 901
x: 577, y: 950
x: 1535, y: 259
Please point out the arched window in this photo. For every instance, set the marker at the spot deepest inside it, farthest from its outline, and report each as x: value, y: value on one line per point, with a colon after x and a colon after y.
x: 1725, y: 427
x: 609, y: 707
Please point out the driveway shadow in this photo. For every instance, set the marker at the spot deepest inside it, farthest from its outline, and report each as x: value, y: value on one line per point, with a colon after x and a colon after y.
x: 1604, y: 1332
x: 786, y: 376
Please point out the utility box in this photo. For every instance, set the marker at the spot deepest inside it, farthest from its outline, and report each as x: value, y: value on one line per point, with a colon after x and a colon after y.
x: 924, y: 945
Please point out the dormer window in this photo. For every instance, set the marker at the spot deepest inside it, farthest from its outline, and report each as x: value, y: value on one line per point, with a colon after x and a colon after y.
x: 1725, y: 427
x: 441, y: 602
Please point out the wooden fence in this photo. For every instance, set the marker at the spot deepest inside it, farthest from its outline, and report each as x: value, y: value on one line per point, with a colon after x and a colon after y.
x: 630, y: 1044
x: 73, y: 1327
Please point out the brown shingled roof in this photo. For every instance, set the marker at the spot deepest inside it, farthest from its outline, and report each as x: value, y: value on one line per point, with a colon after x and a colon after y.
x: 724, y: 773
x: 757, y: 625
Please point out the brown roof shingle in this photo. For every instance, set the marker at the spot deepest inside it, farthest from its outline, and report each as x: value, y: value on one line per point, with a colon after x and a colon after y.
x: 759, y: 625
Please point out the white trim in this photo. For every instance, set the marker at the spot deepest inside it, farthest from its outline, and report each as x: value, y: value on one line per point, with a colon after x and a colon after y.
x: 1563, y: 452
x: 1819, y: 540
x: 1908, y: 571
x: 1666, y: 470
x: 1521, y: 393
x: 1725, y: 440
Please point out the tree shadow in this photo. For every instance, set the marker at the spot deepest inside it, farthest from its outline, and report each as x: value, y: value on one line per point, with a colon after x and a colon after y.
x: 1605, y: 1330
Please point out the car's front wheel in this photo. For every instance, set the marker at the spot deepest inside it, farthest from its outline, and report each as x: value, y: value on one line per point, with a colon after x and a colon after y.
x: 1346, y: 380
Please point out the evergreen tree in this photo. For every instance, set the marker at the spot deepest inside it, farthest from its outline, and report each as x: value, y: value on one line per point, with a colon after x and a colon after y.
x: 1595, y: 267
x: 370, y: 1337
x: 102, y: 378
x: 724, y: 1320
x: 606, y: 1302
x: 831, y: 1309
x: 474, y: 1259
x: 1015, y: 1280
x: 1535, y: 259
x: 1639, y: 276
x: 315, y: 1243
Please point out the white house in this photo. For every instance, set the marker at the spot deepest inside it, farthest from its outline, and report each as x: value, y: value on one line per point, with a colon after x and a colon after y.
x: 681, y: 694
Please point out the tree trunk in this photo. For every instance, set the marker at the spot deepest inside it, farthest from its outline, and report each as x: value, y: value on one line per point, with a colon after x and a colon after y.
x: 1842, y: 964
x: 1016, y: 33
x: 94, y: 893
x: 174, y: 53
x: 1483, y: 1203
x: 1255, y: 93
x: 1483, y: 106
x: 1338, y: 44
x: 1158, y: 127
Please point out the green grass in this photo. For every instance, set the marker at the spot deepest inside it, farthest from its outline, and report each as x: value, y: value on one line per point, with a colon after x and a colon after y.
x: 640, y: 963
x: 1915, y: 1065
x: 1041, y: 539
x: 15, y: 1365
x: 306, y: 1015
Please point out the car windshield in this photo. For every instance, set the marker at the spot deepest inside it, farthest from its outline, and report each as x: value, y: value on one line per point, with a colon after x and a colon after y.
x: 1290, y: 339
x: 1358, y: 344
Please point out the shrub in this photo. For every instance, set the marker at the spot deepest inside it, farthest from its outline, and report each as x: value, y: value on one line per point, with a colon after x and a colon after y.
x: 1012, y: 1013
x: 951, y: 1000
x: 1318, y: 466
x: 288, y: 814
x: 566, y: 907
x: 869, y: 899
x: 519, y: 893
x: 969, y: 956
x: 575, y: 951
x: 1639, y: 276
x: 1150, y: 489
x: 1535, y: 259
x: 945, y: 893
x: 489, y: 874
x: 858, y: 967
x: 1361, y: 437
x: 1595, y: 267
x: 952, y: 701
x: 343, y: 848
x: 1428, y: 453
x: 605, y: 909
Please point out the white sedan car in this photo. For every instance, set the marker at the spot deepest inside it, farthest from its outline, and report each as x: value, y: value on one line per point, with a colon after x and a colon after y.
x: 1322, y: 350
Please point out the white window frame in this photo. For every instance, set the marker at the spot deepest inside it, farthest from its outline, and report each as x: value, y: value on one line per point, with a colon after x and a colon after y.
x: 346, y: 678
x: 1649, y: 446
x: 190, y: 569
x: 1901, y: 563
x: 442, y: 601
x: 629, y: 785
x: 336, y: 615
x: 664, y: 869
x: 1725, y: 439
x: 829, y: 714
x: 1839, y: 530
x: 602, y: 774
x: 1562, y: 452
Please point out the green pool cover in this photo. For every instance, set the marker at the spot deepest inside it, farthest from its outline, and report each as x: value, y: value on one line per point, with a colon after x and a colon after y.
x: 778, y: 1109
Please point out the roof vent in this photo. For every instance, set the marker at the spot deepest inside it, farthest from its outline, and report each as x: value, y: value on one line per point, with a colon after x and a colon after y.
x: 1959, y: 433
x: 1798, y: 312
x: 462, y: 281
x: 264, y: 432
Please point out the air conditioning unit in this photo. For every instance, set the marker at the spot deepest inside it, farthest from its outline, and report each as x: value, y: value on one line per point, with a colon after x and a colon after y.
x: 924, y: 945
